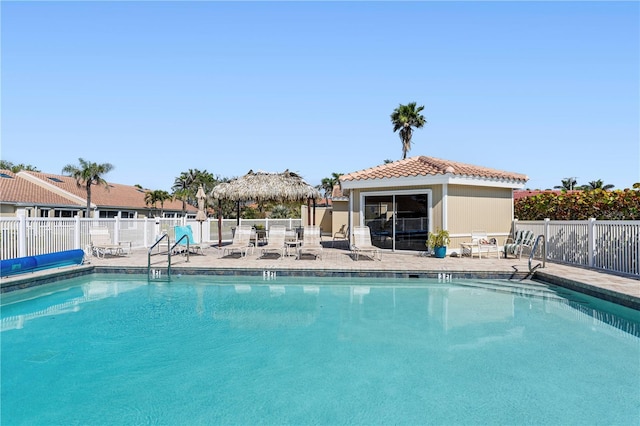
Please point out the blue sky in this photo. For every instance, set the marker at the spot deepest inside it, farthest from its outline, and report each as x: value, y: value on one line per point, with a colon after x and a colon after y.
x: 548, y: 89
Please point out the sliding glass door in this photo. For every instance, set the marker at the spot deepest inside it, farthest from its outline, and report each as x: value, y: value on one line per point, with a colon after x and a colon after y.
x: 397, y: 221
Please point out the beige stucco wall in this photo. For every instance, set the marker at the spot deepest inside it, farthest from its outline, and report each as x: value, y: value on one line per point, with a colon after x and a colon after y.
x: 470, y: 208
x: 323, y: 217
x: 339, y: 215
x: 475, y: 208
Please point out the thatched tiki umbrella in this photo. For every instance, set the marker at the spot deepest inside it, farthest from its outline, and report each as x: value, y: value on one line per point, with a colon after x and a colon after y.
x: 262, y: 186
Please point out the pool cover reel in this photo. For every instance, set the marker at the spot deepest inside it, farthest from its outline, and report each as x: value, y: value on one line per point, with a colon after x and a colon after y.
x: 22, y: 265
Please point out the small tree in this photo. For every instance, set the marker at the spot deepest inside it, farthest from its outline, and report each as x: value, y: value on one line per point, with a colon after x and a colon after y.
x: 15, y: 168
x: 597, y: 184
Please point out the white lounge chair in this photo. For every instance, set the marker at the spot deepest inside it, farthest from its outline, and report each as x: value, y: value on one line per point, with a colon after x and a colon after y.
x: 184, y: 239
x: 311, y: 242
x: 102, y: 244
x: 362, y: 243
x: 514, y: 246
x: 275, y: 241
x: 241, y: 242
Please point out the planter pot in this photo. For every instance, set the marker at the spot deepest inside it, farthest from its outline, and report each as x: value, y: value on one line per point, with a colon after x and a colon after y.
x: 440, y: 252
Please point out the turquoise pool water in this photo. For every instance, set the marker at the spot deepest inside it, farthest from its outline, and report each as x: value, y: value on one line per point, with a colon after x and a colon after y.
x: 112, y: 349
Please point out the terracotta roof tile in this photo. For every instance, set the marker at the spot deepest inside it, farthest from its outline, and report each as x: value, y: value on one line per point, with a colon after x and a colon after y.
x: 117, y: 196
x: 14, y: 189
x: 425, y: 166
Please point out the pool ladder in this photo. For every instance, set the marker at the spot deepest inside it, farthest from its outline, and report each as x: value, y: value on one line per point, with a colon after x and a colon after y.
x: 156, y: 274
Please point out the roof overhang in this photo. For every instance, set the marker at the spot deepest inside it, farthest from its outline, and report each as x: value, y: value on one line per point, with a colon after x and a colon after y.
x: 431, y: 180
x: 43, y: 205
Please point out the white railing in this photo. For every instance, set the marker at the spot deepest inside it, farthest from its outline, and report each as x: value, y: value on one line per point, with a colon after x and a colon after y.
x: 22, y: 236
x: 610, y: 245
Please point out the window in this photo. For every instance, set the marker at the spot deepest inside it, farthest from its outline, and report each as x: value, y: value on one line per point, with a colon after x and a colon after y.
x: 65, y: 213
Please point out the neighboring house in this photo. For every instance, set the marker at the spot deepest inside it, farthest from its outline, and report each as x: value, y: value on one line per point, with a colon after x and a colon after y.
x: 36, y: 194
x: 404, y: 200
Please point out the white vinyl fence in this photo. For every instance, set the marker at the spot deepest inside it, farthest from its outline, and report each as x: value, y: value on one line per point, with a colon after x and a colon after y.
x: 22, y: 236
x: 610, y: 245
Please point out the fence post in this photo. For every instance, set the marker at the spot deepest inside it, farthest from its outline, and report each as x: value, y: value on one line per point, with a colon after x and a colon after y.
x: 591, y: 235
x: 145, y: 233
x: 157, y: 228
x: 22, y: 236
x: 76, y: 232
x: 116, y: 231
x: 547, y: 222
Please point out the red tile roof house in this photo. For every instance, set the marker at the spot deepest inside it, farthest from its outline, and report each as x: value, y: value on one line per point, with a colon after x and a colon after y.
x: 36, y: 194
x: 404, y: 200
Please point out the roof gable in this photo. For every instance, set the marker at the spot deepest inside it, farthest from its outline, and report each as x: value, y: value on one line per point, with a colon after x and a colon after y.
x: 431, y: 169
x: 30, y: 187
x: 16, y: 190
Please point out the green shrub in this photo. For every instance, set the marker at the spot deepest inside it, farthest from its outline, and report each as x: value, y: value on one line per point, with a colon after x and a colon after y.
x: 581, y: 205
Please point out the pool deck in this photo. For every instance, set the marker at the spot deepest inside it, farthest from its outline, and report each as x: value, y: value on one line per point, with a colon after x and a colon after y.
x: 338, y: 261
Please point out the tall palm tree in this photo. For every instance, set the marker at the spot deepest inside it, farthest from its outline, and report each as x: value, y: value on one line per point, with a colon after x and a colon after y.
x: 182, y: 187
x: 405, y: 118
x: 151, y: 198
x: 327, y: 184
x: 597, y: 184
x: 162, y: 196
x: 185, y: 186
x: 87, y: 174
x: 568, y: 184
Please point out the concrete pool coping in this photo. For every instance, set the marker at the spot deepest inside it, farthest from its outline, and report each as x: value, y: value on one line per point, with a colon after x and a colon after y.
x: 338, y: 262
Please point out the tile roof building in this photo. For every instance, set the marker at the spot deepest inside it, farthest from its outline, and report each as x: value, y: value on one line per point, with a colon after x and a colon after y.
x: 38, y: 194
x: 403, y: 201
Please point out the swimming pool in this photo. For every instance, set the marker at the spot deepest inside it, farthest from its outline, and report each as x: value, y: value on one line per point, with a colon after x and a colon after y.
x: 112, y: 349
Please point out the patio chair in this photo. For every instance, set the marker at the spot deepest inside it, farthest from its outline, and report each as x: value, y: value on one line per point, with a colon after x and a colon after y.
x: 514, y: 246
x: 480, y: 242
x: 276, y: 241
x: 102, y: 244
x: 362, y: 243
x: 341, y: 234
x: 311, y: 242
x: 184, y: 240
x: 241, y: 241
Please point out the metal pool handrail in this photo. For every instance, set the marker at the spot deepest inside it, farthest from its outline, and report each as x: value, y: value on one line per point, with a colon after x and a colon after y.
x: 533, y: 251
x: 162, y: 237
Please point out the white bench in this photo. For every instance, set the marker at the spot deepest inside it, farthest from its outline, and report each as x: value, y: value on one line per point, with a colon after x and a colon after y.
x: 480, y: 243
